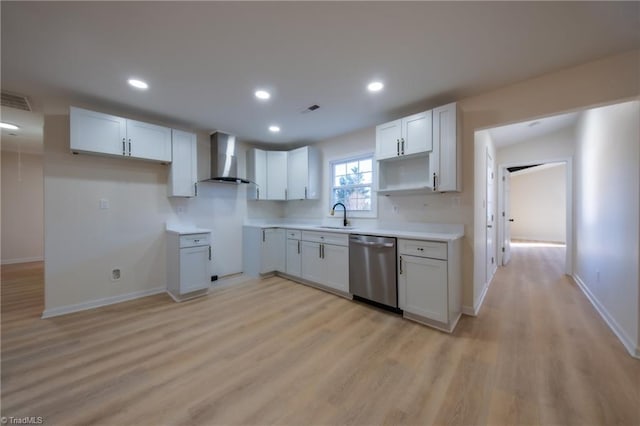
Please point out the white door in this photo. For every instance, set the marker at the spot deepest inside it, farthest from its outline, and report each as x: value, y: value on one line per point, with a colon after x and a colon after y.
x: 194, y: 269
x: 506, y: 218
x: 297, y: 173
x: 96, y: 132
x: 276, y: 175
x: 336, y: 265
x: 183, y: 169
x: 416, y: 134
x: 294, y: 257
x: 149, y: 141
x: 388, y: 139
x: 425, y: 287
x: 313, y: 268
x: 490, y: 221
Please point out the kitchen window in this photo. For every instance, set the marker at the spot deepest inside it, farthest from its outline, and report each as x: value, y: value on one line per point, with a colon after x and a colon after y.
x: 352, y: 185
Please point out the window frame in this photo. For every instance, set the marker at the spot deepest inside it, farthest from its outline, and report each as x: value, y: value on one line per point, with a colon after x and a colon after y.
x: 373, y: 213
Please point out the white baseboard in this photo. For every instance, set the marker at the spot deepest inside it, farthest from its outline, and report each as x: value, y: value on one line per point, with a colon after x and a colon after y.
x: 628, y: 343
x: 63, y: 310
x: 473, y: 311
x: 22, y: 260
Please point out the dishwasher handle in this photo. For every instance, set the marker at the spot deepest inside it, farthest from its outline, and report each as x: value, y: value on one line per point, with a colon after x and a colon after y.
x: 372, y: 244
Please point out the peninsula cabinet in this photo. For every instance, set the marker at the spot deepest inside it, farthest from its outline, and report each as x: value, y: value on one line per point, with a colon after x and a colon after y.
x: 408, y: 136
x: 429, y: 282
x: 98, y: 133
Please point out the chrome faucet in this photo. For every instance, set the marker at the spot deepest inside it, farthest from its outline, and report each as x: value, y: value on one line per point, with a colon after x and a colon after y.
x: 333, y: 210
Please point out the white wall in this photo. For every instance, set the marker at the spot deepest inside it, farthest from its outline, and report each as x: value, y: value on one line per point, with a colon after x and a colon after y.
x: 538, y: 204
x: 608, y: 214
x: 22, y: 207
x: 83, y: 243
x: 557, y: 145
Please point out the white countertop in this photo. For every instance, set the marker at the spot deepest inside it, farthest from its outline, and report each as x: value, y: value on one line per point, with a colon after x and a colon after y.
x: 433, y: 235
x: 186, y: 229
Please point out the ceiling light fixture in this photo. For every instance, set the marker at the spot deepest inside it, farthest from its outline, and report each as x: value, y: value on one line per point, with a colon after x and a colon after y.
x: 375, y: 86
x: 262, y: 94
x: 138, y: 84
x: 8, y: 126
x: 274, y: 129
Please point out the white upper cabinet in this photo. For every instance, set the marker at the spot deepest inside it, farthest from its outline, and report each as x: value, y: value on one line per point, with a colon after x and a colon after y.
x: 149, y: 141
x: 408, y: 136
x: 183, y: 169
x: 257, y: 174
x: 99, y: 133
x: 96, y: 132
x: 276, y: 175
x: 388, y: 139
x: 445, y: 161
x: 303, y: 174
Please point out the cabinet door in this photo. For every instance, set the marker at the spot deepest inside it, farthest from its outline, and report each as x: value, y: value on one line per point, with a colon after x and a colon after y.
x: 336, y: 265
x: 416, y: 134
x: 194, y: 269
x: 313, y: 268
x: 273, y: 250
x: 96, y: 132
x: 148, y: 141
x: 445, y: 138
x: 276, y: 175
x: 297, y: 173
x: 257, y: 173
x: 294, y: 250
x: 424, y: 285
x: 388, y: 139
x: 183, y: 169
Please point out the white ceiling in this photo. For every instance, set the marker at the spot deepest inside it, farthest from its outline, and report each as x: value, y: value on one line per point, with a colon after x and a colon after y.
x: 204, y: 60
x: 512, y: 134
x: 28, y: 138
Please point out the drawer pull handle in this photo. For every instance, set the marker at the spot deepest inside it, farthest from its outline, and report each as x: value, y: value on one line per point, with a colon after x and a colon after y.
x: 400, y: 265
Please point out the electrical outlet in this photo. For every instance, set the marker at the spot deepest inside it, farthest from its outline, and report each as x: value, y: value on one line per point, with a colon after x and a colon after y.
x: 104, y: 203
x: 116, y: 274
x: 395, y: 209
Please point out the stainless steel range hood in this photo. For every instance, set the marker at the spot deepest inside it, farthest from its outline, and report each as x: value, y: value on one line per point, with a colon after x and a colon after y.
x: 224, y: 163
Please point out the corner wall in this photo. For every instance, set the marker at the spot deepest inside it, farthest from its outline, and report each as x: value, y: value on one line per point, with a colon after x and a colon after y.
x: 608, y: 215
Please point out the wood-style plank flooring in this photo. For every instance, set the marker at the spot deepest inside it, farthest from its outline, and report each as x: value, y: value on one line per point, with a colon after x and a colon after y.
x: 277, y: 352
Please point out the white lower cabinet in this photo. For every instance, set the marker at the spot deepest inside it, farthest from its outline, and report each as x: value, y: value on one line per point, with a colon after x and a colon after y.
x: 263, y: 250
x: 325, y: 259
x: 188, y: 264
x: 294, y: 253
x: 429, y: 287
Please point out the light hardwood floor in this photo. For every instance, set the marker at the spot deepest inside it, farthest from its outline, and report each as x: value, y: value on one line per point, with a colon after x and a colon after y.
x: 276, y: 352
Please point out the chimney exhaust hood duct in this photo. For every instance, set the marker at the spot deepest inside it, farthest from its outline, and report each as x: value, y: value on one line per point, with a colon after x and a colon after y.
x: 224, y: 163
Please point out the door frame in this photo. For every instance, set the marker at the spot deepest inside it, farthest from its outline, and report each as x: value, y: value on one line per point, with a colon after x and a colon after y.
x: 568, y: 161
x: 490, y: 270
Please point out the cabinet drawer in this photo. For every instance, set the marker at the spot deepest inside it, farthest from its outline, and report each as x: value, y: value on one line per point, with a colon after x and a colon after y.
x: 326, y: 237
x: 293, y: 234
x: 193, y: 240
x: 431, y: 249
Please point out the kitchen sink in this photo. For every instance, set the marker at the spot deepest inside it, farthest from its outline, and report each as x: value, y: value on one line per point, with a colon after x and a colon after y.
x: 334, y: 227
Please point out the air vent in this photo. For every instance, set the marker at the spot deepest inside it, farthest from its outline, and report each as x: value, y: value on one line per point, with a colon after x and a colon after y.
x: 311, y: 108
x: 15, y: 101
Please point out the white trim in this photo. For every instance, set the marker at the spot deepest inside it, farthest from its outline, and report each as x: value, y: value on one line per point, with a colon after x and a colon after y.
x: 63, y: 310
x: 22, y: 260
x: 366, y: 214
x: 608, y: 318
x: 468, y: 310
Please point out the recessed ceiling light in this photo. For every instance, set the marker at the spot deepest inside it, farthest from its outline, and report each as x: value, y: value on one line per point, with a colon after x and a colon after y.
x: 375, y: 86
x: 274, y: 129
x: 262, y: 94
x: 535, y: 123
x: 8, y: 126
x: 138, y: 84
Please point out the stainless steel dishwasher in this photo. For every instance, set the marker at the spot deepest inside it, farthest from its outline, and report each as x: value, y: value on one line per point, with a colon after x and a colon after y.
x: 372, y: 269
